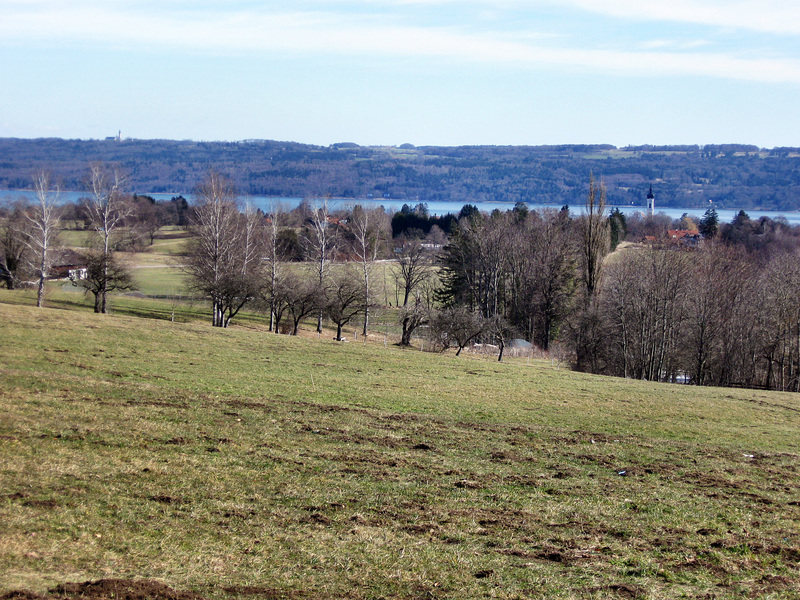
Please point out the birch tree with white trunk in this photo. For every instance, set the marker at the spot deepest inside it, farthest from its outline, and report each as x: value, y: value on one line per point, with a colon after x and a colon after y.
x: 106, y: 208
x: 369, y: 228
x: 44, y: 219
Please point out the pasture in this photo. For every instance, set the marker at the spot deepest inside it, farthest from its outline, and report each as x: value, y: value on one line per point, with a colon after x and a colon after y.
x: 243, y: 464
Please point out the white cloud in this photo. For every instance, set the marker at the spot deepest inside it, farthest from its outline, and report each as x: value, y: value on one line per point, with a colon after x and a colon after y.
x: 769, y: 16
x: 179, y: 25
x: 662, y: 44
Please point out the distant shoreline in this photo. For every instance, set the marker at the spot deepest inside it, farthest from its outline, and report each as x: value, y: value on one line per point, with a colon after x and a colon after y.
x: 441, y: 208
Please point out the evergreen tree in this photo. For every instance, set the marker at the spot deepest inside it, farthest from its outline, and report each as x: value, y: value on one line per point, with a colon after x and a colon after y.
x: 618, y: 227
x: 709, y: 224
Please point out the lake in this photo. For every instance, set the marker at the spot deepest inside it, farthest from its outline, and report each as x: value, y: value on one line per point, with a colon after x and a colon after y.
x: 443, y: 208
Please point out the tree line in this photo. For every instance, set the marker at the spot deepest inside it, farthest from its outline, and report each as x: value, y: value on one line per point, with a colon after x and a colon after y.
x: 716, y: 314
x: 731, y: 175
x: 694, y: 301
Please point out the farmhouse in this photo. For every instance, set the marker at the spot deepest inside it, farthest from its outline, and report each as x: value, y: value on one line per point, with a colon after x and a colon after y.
x: 684, y: 236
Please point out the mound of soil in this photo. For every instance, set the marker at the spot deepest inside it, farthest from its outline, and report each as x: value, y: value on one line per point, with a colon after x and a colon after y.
x: 106, y: 589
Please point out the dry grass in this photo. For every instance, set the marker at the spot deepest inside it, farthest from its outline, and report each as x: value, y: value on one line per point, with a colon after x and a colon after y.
x: 242, y: 463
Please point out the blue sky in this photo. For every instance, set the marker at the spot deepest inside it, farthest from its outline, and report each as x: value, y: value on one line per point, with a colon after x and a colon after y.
x: 388, y: 72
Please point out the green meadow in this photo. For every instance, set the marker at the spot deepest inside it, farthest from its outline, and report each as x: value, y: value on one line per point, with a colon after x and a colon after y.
x: 236, y: 463
x: 240, y: 463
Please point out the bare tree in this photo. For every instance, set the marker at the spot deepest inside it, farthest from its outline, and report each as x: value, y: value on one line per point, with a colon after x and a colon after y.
x: 586, y: 330
x: 104, y: 274
x: 222, y: 262
x: 369, y: 228
x: 320, y: 239
x: 648, y: 291
x: 272, y: 254
x: 621, y: 289
x: 147, y: 219
x: 740, y: 307
x: 44, y: 219
x: 714, y: 270
x: 413, y: 315
x: 474, y: 264
x: 345, y: 299
x: 457, y: 326
x: 414, y: 267
x: 550, y: 279
x: 15, y: 231
x: 595, y: 240
x: 106, y: 208
x: 106, y: 205
x: 501, y: 331
x: 279, y: 304
x: 781, y: 282
x: 252, y: 241
x: 302, y: 297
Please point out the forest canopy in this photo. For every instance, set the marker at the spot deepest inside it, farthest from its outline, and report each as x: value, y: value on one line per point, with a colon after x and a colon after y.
x: 727, y: 175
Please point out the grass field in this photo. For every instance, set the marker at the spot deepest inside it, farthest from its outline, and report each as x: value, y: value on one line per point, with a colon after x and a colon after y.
x: 242, y: 464
x: 169, y: 241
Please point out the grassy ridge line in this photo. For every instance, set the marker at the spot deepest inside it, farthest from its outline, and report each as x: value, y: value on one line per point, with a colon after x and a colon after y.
x: 209, y: 459
x: 199, y: 359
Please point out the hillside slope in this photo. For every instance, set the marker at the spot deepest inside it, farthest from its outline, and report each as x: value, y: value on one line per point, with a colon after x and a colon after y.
x: 729, y: 176
x: 237, y: 462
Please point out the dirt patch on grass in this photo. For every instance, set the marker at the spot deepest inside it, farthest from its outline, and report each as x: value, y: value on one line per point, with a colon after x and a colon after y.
x: 316, y: 519
x: 775, y: 584
x: 21, y: 595
x: 178, y: 441
x: 177, y: 404
x: 259, y: 592
x: 106, y: 589
x: 31, y: 502
x: 146, y: 589
x: 254, y: 405
x: 164, y: 499
x: 41, y: 503
x: 623, y: 590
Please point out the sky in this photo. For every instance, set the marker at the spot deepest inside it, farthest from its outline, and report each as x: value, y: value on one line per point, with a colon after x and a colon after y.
x: 389, y: 72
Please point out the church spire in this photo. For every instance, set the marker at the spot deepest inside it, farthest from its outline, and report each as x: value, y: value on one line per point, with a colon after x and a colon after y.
x: 651, y: 202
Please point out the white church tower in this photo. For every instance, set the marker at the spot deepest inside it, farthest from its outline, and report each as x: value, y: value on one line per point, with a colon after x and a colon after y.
x: 651, y: 202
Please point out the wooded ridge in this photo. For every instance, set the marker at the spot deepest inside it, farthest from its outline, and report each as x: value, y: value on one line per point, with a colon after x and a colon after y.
x: 729, y: 176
